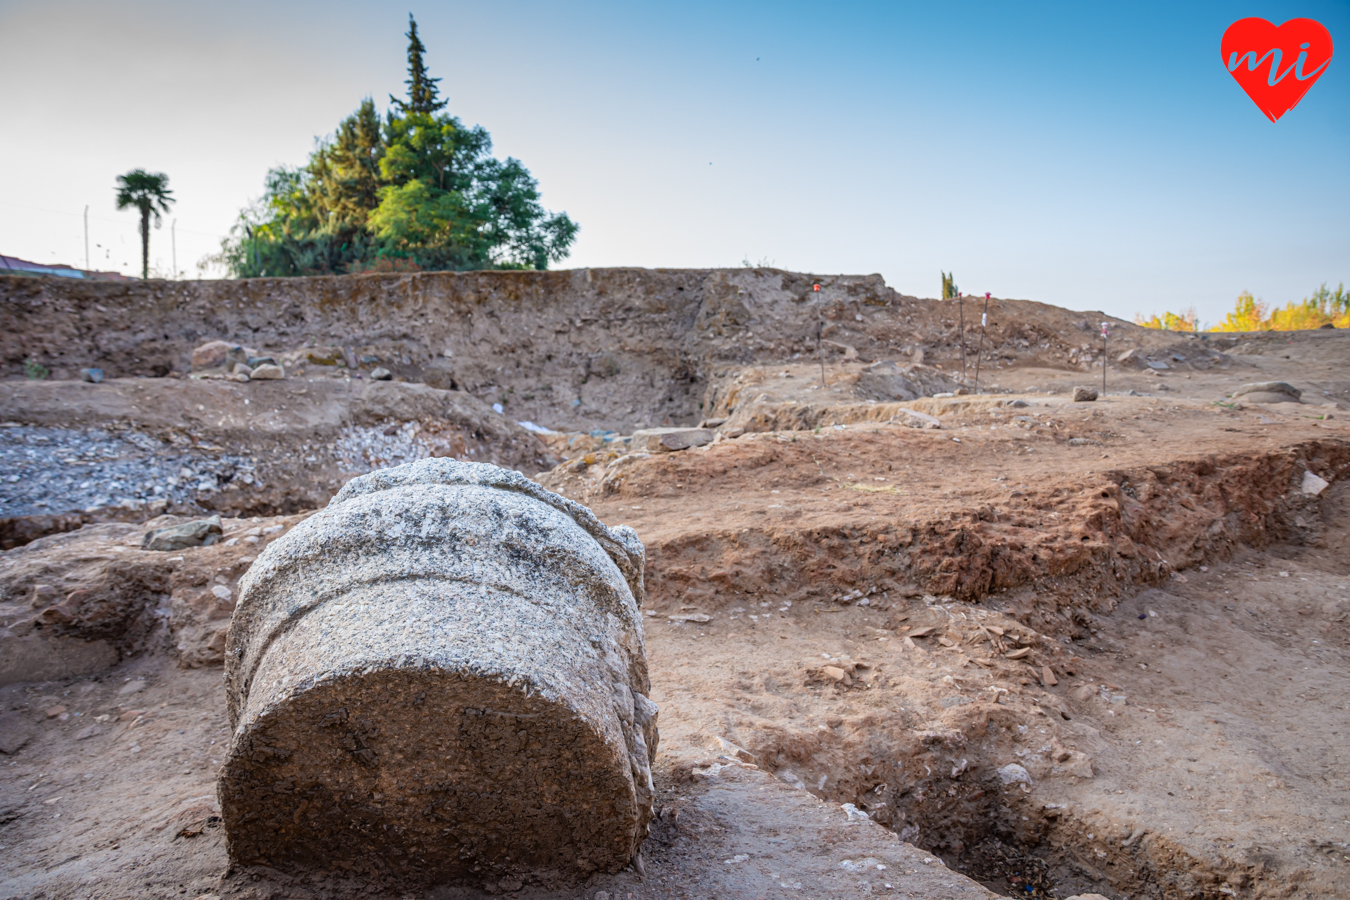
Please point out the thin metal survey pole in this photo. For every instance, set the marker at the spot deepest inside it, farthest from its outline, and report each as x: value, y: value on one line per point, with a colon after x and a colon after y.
x: 984, y: 321
x: 820, y: 335
x: 961, y: 319
x: 1106, y: 331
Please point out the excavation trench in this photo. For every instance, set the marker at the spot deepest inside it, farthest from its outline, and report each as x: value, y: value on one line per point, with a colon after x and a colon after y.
x: 924, y: 748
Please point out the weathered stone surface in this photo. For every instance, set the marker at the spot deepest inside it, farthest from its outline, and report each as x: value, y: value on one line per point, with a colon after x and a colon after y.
x: 441, y: 676
x: 202, y: 532
x: 210, y: 355
x: 267, y: 372
x: 1268, y: 387
x: 887, y: 381
x: 380, y: 373
x: 1084, y: 394
x: 659, y: 440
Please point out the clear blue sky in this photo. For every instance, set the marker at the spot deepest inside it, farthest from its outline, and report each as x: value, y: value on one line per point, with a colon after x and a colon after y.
x: 1087, y: 155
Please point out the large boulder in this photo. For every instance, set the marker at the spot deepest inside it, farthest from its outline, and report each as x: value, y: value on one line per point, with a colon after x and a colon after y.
x: 1268, y: 392
x: 886, y: 381
x: 441, y: 677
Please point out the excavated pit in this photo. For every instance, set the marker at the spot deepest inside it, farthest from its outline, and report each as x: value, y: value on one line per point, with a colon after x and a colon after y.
x: 1137, y: 600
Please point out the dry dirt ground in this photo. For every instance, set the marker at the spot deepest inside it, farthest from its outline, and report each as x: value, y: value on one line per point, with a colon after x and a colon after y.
x: 1044, y: 649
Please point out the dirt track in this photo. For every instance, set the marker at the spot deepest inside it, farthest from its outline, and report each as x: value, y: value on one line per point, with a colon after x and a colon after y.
x: 892, y: 615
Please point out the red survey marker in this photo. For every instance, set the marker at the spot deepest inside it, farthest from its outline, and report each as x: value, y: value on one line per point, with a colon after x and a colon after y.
x: 1276, y: 65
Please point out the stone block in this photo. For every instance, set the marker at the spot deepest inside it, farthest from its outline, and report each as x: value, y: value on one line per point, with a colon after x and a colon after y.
x: 665, y: 440
x: 441, y: 676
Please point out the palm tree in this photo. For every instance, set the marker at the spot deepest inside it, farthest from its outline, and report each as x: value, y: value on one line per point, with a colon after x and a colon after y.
x: 151, y: 195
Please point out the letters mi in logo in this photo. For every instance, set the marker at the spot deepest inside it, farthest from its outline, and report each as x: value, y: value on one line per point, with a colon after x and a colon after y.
x: 1276, y: 65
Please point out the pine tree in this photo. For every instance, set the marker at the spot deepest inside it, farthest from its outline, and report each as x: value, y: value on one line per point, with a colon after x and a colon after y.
x: 423, y: 95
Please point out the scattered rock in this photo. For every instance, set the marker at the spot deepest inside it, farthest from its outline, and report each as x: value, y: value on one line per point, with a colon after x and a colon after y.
x: 1014, y: 773
x: 131, y: 687
x: 670, y: 439
x: 1157, y: 365
x: 201, y: 533
x: 93, y: 376
x: 447, y: 605
x: 268, y: 372
x: 698, y: 618
x: 837, y: 675
x: 15, y: 732
x: 87, y: 732
x: 54, y: 711
x: 916, y: 419
x: 210, y: 355
x: 1313, y: 484
x: 1268, y: 392
x: 380, y: 373
x: 1084, y: 394
x: 886, y: 381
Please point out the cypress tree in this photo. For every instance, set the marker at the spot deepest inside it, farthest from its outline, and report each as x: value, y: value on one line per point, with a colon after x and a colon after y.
x: 423, y: 95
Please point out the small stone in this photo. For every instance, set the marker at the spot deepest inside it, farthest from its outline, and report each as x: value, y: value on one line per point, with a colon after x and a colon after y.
x: 1018, y: 654
x: 267, y: 372
x: 210, y: 355
x: 1013, y: 773
x: 15, y: 732
x: 54, y: 711
x: 242, y: 369
x: 836, y: 674
x: 131, y: 687
x: 666, y: 440
x: 1084, y: 394
x: 201, y: 533
x: 221, y: 592
x: 1048, y: 676
x: 93, y: 376
x: 129, y: 715
x: 85, y: 733
x: 382, y: 374
x: 1314, y: 484
x: 698, y: 618
x: 255, y: 361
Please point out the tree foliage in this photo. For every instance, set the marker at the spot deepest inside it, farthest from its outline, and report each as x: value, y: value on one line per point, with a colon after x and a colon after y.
x: 949, y: 289
x: 150, y: 195
x: 1186, y: 320
x: 1324, y: 307
x: 416, y: 190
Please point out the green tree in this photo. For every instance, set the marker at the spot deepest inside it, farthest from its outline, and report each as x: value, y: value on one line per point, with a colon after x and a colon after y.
x: 151, y: 195
x: 423, y: 95
x: 416, y: 190
x: 949, y: 290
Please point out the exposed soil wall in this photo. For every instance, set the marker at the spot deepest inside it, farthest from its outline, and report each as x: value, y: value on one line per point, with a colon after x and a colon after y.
x: 574, y: 350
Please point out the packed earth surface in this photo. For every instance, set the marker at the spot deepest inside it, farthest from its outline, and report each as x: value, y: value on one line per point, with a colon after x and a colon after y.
x: 912, y: 631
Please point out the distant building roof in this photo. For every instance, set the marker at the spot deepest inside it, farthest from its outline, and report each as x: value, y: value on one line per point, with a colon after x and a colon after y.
x: 14, y: 266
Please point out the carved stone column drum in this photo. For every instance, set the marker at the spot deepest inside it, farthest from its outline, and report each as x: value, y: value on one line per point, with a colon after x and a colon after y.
x: 441, y: 676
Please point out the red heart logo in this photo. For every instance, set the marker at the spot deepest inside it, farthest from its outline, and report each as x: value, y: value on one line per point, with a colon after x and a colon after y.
x: 1276, y: 65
